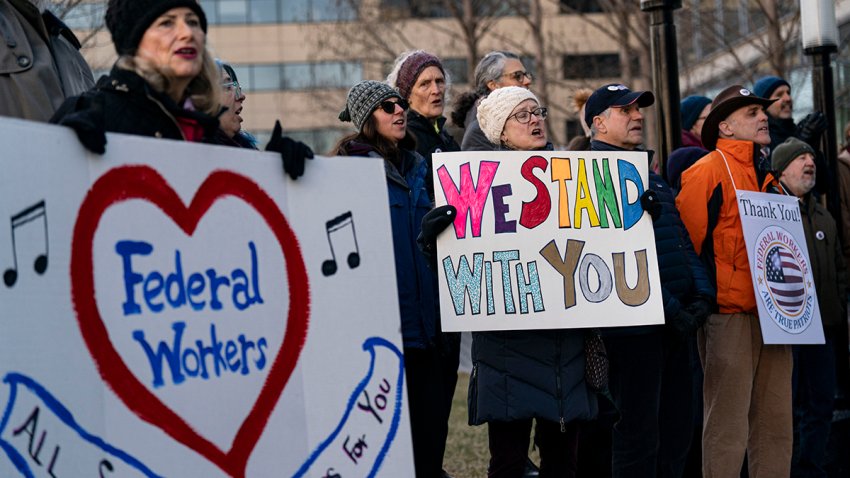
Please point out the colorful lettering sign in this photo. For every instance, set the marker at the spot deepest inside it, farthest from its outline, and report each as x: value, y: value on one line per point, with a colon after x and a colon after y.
x: 173, y: 309
x: 546, y: 240
x: 782, y: 275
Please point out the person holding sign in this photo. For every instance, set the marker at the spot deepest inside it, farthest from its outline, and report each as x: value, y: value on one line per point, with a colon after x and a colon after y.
x: 814, y: 365
x: 747, y: 385
x: 165, y: 83
x: 650, y: 372
x: 378, y: 112
x: 520, y: 376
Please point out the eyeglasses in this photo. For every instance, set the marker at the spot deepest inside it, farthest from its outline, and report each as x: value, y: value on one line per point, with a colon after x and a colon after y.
x: 232, y: 86
x: 524, y: 117
x: 517, y: 76
x: 389, y: 106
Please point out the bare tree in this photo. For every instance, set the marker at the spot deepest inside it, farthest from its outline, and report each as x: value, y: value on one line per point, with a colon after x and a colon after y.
x: 742, y: 38
x: 86, y: 17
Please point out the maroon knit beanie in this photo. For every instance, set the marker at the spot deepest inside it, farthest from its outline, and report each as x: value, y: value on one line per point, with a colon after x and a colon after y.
x: 412, y: 67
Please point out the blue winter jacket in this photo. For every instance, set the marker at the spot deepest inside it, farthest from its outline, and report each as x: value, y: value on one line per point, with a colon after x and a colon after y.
x: 683, y: 275
x: 417, y: 285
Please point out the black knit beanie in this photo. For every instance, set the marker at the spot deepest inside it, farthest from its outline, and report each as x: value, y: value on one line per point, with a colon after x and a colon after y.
x: 128, y: 20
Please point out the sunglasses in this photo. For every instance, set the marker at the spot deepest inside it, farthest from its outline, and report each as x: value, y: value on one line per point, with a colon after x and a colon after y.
x: 517, y: 76
x: 389, y: 106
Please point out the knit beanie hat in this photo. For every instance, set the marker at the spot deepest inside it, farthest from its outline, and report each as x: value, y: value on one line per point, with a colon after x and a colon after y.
x: 127, y: 20
x: 691, y: 107
x: 766, y: 86
x: 787, y: 152
x: 363, y: 99
x: 493, y: 111
x: 408, y: 67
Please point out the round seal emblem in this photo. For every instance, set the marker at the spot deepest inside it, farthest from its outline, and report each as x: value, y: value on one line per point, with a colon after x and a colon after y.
x: 783, y: 280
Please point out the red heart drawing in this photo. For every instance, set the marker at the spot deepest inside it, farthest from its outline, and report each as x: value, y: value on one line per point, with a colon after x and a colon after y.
x: 142, y: 182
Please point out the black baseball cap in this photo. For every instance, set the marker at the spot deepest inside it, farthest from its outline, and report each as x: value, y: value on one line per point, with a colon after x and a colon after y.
x: 617, y: 96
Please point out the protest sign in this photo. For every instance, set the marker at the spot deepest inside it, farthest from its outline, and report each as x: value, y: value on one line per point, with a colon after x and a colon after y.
x: 781, y: 270
x: 546, y: 240
x: 175, y: 309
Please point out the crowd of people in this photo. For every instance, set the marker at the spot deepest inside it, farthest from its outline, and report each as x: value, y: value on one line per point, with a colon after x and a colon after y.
x: 703, y: 387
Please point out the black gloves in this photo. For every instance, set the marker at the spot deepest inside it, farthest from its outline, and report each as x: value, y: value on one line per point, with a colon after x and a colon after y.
x: 90, y: 131
x: 292, y: 153
x: 433, y: 223
x: 810, y: 128
x: 691, y: 317
x: 650, y: 203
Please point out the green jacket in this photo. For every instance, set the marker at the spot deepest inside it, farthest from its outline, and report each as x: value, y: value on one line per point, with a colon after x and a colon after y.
x: 827, y: 260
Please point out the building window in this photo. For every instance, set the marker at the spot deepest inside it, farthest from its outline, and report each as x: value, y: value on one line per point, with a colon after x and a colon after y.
x: 233, y: 12
x: 605, y: 65
x: 431, y: 9
x: 458, y: 69
x: 299, y: 76
x: 580, y: 6
x: 85, y: 16
x: 573, y: 128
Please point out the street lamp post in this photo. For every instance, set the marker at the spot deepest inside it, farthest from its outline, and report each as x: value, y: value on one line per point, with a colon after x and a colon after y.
x: 820, y: 40
x: 665, y: 76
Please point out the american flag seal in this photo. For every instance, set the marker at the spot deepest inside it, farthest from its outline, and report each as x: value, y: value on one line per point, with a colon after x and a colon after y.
x: 785, y: 279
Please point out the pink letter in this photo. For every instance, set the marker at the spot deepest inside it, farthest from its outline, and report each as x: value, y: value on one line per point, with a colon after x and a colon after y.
x: 469, y: 199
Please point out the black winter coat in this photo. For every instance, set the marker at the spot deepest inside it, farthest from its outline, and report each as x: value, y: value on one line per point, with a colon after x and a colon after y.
x: 683, y: 276
x: 429, y: 141
x: 123, y: 102
x: 521, y: 374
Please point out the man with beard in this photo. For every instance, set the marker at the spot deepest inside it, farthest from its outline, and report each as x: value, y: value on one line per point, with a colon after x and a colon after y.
x: 814, y: 365
x: 747, y: 384
x: 781, y: 121
x: 40, y: 62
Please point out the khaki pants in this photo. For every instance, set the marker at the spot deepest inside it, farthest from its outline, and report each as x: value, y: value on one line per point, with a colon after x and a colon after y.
x: 747, y: 393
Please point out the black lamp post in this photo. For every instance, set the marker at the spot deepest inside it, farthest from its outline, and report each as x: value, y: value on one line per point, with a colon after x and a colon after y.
x: 665, y: 76
x: 820, y: 40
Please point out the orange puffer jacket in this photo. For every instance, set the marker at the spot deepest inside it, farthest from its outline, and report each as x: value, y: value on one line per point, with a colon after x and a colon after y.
x: 709, y: 210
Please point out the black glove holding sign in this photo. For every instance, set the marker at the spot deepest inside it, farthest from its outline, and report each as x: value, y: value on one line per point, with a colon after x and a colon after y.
x: 292, y: 153
x: 433, y: 223
x: 650, y: 203
x: 89, y: 125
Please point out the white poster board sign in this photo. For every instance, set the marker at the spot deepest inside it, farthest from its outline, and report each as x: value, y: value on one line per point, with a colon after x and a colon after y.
x: 782, y: 275
x: 546, y: 240
x: 173, y: 309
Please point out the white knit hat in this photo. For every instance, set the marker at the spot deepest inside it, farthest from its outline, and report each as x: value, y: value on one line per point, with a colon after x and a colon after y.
x: 493, y: 111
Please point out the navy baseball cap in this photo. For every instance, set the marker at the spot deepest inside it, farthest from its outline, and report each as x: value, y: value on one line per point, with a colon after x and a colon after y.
x: 617, y: 96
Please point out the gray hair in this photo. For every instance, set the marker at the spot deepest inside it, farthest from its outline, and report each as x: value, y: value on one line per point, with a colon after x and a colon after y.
x: 607, y: 114
x: 491, y: 68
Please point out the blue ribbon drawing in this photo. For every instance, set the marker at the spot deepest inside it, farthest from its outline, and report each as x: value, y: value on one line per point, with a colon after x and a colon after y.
x: 27, y: 432
x: 361, y: 440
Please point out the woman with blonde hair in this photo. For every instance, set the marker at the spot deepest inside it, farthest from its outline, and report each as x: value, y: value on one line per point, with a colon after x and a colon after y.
x: 165, y: 83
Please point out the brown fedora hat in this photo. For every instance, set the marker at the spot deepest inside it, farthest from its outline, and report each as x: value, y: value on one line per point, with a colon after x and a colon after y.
x: 724, y: 104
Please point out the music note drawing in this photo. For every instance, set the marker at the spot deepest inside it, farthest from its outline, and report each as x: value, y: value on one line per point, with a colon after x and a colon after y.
x: 329, y: 267
x: 31, y: 215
